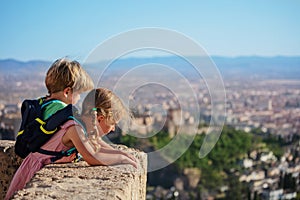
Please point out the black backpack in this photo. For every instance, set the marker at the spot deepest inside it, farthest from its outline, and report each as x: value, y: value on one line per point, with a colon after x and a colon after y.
x: 35, y: 132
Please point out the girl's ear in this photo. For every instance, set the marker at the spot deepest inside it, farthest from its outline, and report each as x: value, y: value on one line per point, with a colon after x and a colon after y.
x: 100, y: 118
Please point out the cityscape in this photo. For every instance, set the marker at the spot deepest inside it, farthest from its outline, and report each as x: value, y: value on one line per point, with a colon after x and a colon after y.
x: 263, y: 106
x: 213, y: 90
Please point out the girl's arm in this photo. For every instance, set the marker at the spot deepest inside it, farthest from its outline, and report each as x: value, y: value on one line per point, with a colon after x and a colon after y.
x: 103, y: 144
x: 104, y: 156
x: 111, y: 150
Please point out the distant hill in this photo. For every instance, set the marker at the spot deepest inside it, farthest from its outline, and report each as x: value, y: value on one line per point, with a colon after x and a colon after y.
x: 238, y: 67
x: 262, y: 67
x: 19, y: 80
x: 15, y: 66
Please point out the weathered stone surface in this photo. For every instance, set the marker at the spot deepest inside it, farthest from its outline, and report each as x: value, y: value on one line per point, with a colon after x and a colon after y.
x: 81, y: 181
x: 9, y: 163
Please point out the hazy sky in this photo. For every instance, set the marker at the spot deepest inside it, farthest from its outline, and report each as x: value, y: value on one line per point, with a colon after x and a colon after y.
x: 47, y: 30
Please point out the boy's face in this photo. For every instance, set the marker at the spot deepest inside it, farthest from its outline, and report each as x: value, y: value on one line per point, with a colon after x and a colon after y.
x: 70, y: 97
x: 75, y: 97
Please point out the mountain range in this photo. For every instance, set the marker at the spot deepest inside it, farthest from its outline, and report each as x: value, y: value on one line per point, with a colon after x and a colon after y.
x: 280, y: 67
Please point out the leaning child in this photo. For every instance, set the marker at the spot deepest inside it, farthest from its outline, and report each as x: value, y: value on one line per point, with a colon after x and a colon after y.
x: 65, y: 80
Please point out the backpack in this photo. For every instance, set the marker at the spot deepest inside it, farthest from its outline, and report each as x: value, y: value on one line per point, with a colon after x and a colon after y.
x: 35, y: 132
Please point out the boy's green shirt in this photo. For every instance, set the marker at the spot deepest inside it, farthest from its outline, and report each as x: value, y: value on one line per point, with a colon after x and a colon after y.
x: 52, y: 108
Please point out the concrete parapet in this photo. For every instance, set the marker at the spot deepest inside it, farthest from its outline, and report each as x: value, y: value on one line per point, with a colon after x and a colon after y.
x: 9, y: 163
x: 81, y: 181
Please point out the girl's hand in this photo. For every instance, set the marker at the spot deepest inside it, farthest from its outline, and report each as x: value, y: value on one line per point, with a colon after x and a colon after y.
x: 129, y: 156
x: 127, y: 160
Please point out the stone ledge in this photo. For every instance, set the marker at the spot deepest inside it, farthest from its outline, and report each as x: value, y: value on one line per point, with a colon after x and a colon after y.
x: 9, y: 163
x: 81, y: 181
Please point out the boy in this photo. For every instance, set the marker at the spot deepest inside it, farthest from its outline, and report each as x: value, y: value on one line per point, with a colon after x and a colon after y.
x: 65, y: 80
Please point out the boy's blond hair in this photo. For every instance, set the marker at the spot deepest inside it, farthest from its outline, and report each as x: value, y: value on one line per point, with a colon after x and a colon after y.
x: 64, y: 73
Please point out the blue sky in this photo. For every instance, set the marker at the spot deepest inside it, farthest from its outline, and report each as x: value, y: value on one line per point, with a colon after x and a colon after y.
x: 47, y: 30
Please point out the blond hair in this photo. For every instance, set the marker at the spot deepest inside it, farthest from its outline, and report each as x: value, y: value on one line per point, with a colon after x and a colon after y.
x: 64, y: 73
x: 106, y: 103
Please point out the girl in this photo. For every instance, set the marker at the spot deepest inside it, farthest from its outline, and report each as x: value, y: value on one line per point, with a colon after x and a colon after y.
x: 101, y: 111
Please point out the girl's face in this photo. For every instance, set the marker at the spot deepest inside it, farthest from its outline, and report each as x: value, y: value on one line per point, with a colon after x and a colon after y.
x: 106, y: 125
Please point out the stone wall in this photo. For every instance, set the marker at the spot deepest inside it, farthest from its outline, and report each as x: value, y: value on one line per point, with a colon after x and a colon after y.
x: 81, y: 181
x: 9, y: 163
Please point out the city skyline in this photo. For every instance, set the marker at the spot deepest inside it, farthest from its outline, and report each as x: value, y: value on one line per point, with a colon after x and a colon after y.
x: 34, y: 30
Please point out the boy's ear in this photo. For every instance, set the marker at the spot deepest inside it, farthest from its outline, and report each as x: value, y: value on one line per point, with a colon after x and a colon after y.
x: 67, y: 90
